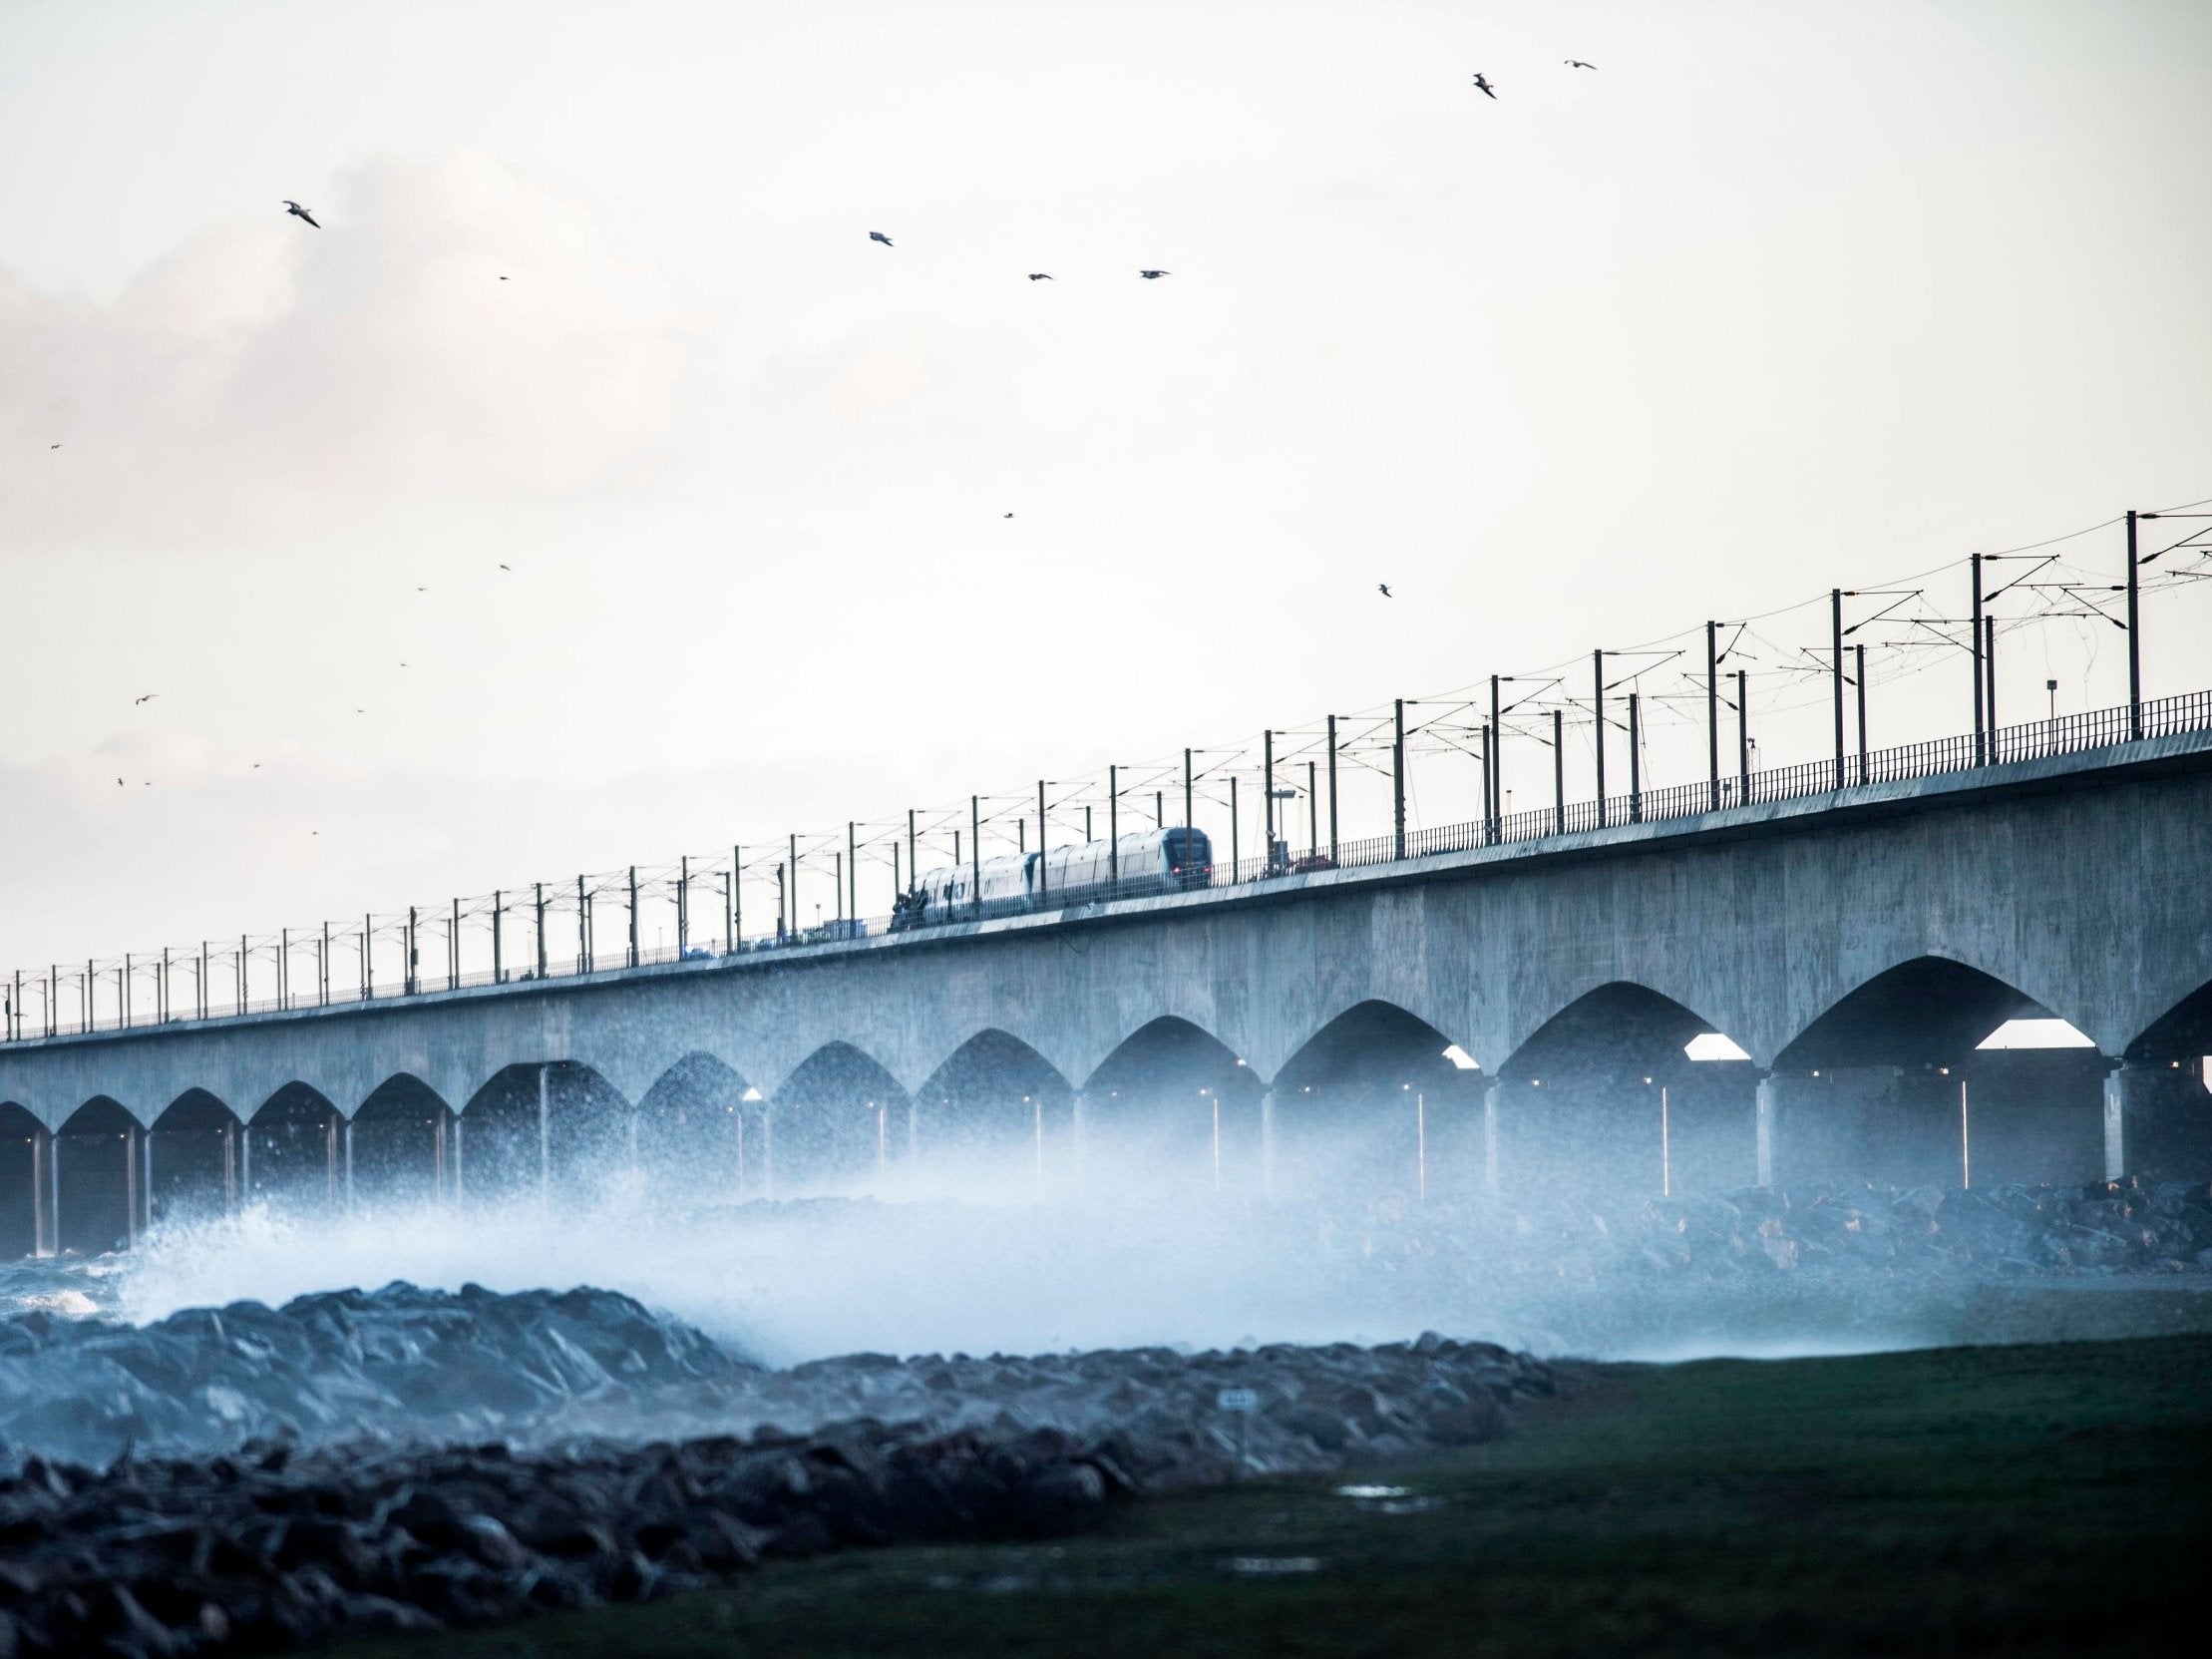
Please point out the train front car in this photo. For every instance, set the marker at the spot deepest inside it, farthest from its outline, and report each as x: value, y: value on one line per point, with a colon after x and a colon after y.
x: 1189, y: 858
x: 1155, y: 861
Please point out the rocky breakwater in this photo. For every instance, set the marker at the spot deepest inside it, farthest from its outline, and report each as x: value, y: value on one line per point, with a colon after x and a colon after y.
x: 400, y: 1361
x: 283, y: 1542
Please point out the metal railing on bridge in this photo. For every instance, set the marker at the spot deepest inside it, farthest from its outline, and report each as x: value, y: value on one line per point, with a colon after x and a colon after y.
x: 151, y: 981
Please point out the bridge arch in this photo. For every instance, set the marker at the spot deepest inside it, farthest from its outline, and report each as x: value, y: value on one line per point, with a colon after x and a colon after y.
x: 692, y: 1130
x: 1374, y: 1101
x: 542, y: 1125
x: 96, y: 1169
x: 829, y: 1124
x: 20, y: 1202
x: 400, y: 1142
x: 1890, y: 1082
x: 291, y: 1146
x: 1173, y: 1106
x: 192, y: 1158
x: 994, y: 1112
x: 1604, y: 1094
x: 2183, y: 1033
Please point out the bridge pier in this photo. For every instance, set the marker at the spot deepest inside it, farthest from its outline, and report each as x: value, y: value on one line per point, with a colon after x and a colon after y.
x: 1492, y: 1106
x: 1768, y: 1125
x: 42, y: 1217
x: 53, y: 1192
x: 2157, y: 1122
x: 544, y: 1136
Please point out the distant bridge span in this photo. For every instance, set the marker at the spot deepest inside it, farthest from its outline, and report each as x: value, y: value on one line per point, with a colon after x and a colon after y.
x: 1889, y: 926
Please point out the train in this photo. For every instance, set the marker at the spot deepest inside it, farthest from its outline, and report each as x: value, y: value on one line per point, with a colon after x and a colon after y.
x: 1154, y: 861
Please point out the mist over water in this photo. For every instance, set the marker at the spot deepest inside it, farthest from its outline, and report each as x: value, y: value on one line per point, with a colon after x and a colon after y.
x: 983, y: 1253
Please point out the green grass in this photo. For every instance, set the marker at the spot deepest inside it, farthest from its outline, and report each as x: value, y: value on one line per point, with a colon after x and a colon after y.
x: 2048, y: 1499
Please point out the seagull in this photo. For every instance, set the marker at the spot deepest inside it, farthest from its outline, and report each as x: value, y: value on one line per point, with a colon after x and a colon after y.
x: 1153, y: 276
x: 53, y: 446
x: 1040, y: 276
x: 508, y: 568
x: 422, y: 590
x: 879, y: 236
x: 1482, y: 85
x: 149, y: 698
x: 1383, y: 587
x: 297, y: 211
x: 1006, y: 515
x: 118, y: 783
x: 501, y: 279
x: 1577, y: 62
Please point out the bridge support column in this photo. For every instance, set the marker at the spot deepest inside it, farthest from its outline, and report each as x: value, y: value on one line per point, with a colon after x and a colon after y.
x: 545, y: 1134
x: 460, y: 1181
x: 2157, y: 1121
x: 1079, y: 1128
x: 1768, y: 1125
x: 1267, y: 1144
x: 132, y: 1195
x: 145, y: 1179
x: 42, y: 1180
x: 767, y: 1150
x: 1493, y: 1103
x: 348, y: 1151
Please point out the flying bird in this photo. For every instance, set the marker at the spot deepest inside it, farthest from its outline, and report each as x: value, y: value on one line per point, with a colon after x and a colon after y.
x: 1040, y: 276
x: 1482, y: 85
x: 149, y: 698
x: 1153, y: 276
x: 1577, y: 62
x: 1006, y: 515
x: 508, y: 568
x: 118, y: 783
x: 297, y: 211
x: 53, y: 446
x: 1383, y: 587
x: 879, y: 236
x: 501, y: 279
x: 422, y: 590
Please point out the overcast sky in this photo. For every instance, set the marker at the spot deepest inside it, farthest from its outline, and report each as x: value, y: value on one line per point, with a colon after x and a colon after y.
x: 1778, y: 298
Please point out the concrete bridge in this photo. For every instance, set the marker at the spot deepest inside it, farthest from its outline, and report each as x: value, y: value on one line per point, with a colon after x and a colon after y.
x: 1470, y: 1017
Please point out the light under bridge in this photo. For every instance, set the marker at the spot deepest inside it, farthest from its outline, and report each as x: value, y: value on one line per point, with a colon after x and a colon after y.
x: 1442, y: 1021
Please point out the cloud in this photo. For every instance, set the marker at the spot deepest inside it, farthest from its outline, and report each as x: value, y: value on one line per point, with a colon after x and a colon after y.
x: 257, y: 377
